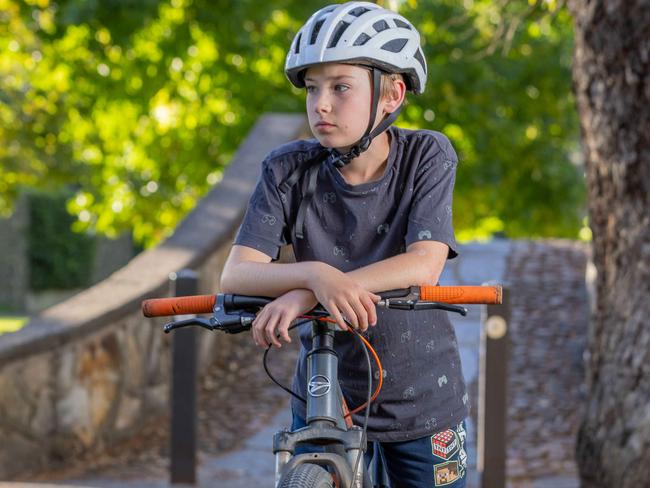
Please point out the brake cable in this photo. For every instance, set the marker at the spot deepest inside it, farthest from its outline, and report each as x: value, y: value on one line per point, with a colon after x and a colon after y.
x: 268, y: 373
x: 370, y: 398
x: 367, y: 347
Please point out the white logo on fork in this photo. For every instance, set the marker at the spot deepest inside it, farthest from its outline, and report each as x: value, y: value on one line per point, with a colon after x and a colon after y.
x: 319, y: 385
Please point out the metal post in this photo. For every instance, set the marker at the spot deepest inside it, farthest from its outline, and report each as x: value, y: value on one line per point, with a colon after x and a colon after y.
x: 493, y: 379
x: 183, y: 391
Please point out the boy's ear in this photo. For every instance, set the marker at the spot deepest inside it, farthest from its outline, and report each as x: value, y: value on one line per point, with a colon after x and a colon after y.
x: 395, y: 96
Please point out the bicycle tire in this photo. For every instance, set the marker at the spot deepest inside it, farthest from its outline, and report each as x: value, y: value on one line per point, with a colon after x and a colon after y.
x: 307, y: 476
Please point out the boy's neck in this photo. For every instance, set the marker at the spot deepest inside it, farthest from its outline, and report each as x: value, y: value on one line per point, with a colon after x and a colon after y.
x: 370, y: 164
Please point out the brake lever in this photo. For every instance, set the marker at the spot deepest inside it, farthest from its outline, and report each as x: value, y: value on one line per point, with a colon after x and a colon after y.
x: 220, y: 320
x: 231, y: 325
x: 187, y: 322
x: 411, y: 304
x: 449, y: 308
x: 234, y: 323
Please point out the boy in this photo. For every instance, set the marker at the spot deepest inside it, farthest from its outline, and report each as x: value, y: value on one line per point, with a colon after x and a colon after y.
x: 367, y: 208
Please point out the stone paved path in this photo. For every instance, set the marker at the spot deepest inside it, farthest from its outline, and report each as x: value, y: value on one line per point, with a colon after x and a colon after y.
x: 252, y: 464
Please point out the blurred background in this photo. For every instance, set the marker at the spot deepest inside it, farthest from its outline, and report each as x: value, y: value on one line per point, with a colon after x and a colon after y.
x: 117, y: 116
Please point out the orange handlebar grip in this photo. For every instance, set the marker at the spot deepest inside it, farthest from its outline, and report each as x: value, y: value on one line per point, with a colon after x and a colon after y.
x: 462, y: 294
x: 162, y: 307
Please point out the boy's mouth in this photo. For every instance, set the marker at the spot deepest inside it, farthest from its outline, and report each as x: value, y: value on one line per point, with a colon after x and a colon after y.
x: 324, y: 127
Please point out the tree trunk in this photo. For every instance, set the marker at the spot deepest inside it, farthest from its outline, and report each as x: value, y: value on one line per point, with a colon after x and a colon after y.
x: 612, y: 85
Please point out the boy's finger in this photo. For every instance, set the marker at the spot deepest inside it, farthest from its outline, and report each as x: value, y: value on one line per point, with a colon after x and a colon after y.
x: 258, y: 328
x: 283, y: 329
x: 254, y: 331
x: 334, y: 312
x: 269, y: 331
x: 362, y: 315
x: 257, y: 337
x: 350, y: 314
x: 372, y: 311
x: 264, y: 336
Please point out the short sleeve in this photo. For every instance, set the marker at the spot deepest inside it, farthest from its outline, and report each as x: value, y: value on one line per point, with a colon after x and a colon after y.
x: 264, y: 225
x: 430, y: 216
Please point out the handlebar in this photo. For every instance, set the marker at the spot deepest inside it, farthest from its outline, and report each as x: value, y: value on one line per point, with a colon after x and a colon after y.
x: 200, y: 304
x: 235, y: 313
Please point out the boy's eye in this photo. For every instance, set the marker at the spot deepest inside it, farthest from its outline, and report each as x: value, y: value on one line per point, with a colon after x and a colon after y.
x: 341, y: 88
x: 310, y: 88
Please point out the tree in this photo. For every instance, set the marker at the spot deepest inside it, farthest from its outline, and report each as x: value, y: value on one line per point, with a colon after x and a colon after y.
x: 138, y: 105
x: 612, y: 84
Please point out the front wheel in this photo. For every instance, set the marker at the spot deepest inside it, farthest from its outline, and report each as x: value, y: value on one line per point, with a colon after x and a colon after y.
x: 307, y: 476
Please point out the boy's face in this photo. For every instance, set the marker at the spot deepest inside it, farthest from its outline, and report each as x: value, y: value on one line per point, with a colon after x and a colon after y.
x: 338, y: 103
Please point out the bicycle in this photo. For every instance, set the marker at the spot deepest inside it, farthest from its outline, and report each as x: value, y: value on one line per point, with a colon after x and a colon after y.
x: 328, y: 418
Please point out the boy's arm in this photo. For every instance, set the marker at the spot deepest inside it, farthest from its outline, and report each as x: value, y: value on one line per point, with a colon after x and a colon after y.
x: 250, y: 272
x: 301, y: 285
x: 421, y: 264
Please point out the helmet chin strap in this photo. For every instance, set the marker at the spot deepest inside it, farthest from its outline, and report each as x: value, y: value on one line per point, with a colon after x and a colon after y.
x: 340, y: 160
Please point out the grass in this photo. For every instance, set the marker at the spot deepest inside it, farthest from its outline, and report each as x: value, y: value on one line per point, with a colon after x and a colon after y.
x: 11, y: 323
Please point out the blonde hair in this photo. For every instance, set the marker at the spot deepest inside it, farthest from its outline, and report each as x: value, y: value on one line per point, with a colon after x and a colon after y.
x: 387, y: 81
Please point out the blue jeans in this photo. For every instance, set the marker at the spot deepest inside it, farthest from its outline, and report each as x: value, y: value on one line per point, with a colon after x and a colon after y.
x: 430, y: 461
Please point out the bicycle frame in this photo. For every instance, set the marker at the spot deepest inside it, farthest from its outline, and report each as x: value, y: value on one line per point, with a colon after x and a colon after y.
x: 328, y: 424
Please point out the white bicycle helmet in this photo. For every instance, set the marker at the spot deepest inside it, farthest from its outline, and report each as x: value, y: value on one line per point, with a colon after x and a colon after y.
x: 360, y: 33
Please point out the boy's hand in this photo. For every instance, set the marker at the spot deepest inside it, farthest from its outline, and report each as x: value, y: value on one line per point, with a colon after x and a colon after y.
x: 342, y: 296
x: 276, y: 317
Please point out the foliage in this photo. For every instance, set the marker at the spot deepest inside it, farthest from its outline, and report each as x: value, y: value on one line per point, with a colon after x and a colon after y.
x: 506, y: 104
x: 142, y: 103
x: 58, y: 257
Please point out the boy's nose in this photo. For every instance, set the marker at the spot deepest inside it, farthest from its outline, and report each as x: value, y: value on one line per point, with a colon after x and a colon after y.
x: 322, y: 104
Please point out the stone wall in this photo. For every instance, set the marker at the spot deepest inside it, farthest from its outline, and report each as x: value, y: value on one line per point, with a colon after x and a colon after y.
x: 85, y: 373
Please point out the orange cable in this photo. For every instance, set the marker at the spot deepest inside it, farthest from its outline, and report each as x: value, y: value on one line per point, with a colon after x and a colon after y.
x: 381, y: 375
x: 374, y: 355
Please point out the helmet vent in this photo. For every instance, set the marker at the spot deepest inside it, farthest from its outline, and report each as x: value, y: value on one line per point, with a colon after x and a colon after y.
x: 420, y: 58
x: 401, y: 23
x: 357, y: 12
x: 362, y: 39
x: 338, y: 33
x: 358, y: 33
x: 382, y: 25
x: 298, y: 43
x: 395, y: 45
x: 314, y: 33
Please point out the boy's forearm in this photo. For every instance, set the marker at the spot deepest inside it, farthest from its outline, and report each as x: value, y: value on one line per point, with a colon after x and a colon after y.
x: 267, y: 279
x: 275, y: 279
x: 401, y: 271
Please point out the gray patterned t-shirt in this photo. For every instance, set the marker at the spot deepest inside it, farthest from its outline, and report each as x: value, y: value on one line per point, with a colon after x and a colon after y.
x: 350, y: 226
